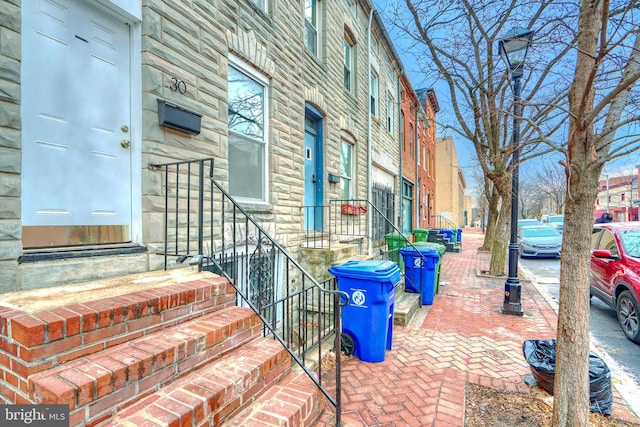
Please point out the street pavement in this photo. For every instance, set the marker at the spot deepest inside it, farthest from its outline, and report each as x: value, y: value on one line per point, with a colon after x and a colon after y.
x: 607, y: 339
x: 462, y: 338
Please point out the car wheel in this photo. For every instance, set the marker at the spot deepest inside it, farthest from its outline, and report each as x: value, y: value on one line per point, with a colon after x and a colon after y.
x: 628, y: 316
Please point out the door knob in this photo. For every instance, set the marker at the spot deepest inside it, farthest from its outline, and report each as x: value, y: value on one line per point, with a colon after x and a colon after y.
x: 125, y: 143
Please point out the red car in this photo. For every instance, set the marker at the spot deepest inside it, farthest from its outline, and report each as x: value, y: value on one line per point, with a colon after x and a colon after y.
x: 615, y: 272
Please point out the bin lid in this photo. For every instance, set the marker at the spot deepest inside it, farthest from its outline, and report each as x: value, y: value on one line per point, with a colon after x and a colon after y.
x: 420, y: 250
x: 396, y: 236
x: 420, y: 230
x: 373, y: 270
x: 440, y: 248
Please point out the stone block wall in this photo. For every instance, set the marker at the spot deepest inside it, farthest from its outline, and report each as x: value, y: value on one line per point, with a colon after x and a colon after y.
x: 10, y: 145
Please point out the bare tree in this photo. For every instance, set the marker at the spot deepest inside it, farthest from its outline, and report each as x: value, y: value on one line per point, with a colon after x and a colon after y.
x: 530, y: 202
x: 607, y: 69
x: 589, y: 63
x: 458, y: 42
x: 551, y: 181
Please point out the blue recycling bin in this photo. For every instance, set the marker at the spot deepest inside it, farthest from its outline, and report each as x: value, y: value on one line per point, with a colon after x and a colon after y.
x: 368, y: 319
x: 448, y: 234
x: 420, y: 264
x: 459, y: 237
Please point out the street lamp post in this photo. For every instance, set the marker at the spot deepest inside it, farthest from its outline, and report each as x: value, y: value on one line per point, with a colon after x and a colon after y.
x: 608, y: 197
x: 513, y: 49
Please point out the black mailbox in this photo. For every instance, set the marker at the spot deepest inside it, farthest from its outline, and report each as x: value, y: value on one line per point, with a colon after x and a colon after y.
x: 177, y: 117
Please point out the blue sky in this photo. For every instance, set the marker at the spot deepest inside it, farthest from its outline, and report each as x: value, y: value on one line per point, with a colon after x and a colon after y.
x: 466, y: 151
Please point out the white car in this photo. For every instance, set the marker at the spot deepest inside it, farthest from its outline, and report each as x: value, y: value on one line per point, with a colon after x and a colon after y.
x: 539, y: 241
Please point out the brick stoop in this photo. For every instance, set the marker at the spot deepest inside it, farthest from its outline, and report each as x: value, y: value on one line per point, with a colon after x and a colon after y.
x: 181, y: 353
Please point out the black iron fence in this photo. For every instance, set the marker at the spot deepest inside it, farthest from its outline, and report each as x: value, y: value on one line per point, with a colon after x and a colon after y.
x: 204, y: 226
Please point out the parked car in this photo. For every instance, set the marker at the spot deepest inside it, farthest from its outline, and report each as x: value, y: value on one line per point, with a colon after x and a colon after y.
x: 539, y: 241
x: 615, y: 272
x: 557, y: 221
x: 527, y: 222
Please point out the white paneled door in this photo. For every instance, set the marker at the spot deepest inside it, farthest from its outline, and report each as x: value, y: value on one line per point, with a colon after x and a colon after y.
x: 76, y: 168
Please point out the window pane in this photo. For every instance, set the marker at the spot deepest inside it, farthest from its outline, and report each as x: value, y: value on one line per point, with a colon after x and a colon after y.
x: 311, y: 26
x: 310, y: 38
x: 347, y: 66
x: 345, y: 170
x: 374, y: 95
x: 246, y: 167
x: 310, y: 11
x: 345, y: 159
x: 246, y: 105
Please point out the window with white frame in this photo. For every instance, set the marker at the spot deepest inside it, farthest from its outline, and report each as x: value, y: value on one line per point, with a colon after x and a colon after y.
x: 374, y: 94
x: 248, y: 130
x: 401, y: 124
x: 346, y: 170
x: 351, y: 4
x: 390, y: 109
x: 261, y: 4
x: 348, y: 64
x: 311, y: 26
x: 412, y: 135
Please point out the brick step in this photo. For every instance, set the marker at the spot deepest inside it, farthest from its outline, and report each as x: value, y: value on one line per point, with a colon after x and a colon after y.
x: 208, y: 396
x: 93, y: 385
x: 295, y: 401
x: 34, y: 341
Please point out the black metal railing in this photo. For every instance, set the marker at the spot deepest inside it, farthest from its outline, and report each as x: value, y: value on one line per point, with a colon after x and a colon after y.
x: 206, y: 227
x: 439, y: 221
x: 345, y: 221
x: 358, y: 221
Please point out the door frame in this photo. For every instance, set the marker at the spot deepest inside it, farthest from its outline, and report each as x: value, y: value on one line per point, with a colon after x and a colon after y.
x: 318, y: 162
x: 130, y: 13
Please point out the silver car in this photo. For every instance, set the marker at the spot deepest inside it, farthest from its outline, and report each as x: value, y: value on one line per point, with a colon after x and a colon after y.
x: 539, y: 241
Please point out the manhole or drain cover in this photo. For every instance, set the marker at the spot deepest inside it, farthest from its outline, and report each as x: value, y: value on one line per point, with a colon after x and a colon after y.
x: 496, y: 354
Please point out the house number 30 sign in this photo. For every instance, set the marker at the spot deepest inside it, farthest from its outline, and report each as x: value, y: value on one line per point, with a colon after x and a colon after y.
x: 178, y: 85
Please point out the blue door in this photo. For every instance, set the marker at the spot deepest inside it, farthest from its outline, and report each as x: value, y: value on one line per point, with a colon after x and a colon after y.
x: 313, y: 171
x: 407, y: 207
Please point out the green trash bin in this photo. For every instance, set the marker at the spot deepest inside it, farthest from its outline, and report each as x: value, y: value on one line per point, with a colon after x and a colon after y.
x: 420, y: 235
x: 395, y: 241
x: 441, y: 250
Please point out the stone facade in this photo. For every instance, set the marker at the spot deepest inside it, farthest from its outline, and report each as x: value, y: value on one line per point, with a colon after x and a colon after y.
x: 10, y: 143
x: 192, y: 43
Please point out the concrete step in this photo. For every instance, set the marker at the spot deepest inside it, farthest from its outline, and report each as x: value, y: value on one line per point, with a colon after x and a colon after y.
x: 406, y: 306
x: 208, y: 396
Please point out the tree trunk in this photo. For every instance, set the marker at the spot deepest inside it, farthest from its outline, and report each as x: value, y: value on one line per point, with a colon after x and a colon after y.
x: 571, y: 407
x: 501, y: 234
x: 492, y: 220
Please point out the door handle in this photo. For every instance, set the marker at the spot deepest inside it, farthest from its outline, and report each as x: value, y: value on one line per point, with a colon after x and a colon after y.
x: 313, y: 178
x: 125, y: 143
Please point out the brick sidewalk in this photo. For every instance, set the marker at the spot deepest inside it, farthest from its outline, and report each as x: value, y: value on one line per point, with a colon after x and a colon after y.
x: 462, y: 338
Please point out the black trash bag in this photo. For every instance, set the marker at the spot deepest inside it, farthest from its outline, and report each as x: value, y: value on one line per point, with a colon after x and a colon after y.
x: 600, y: 395
x: 541, y: 357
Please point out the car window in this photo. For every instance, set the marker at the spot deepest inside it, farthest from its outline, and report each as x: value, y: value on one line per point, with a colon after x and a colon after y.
x: 595, y: 238
x: 608, y: 242
x: 539, y: 232
x: 631, y: 242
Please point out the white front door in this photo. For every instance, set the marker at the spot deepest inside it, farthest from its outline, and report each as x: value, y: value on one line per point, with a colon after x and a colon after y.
x: 76, y: 168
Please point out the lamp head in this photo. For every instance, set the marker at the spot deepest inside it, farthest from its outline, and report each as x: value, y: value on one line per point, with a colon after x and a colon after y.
x: 513, y: 49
